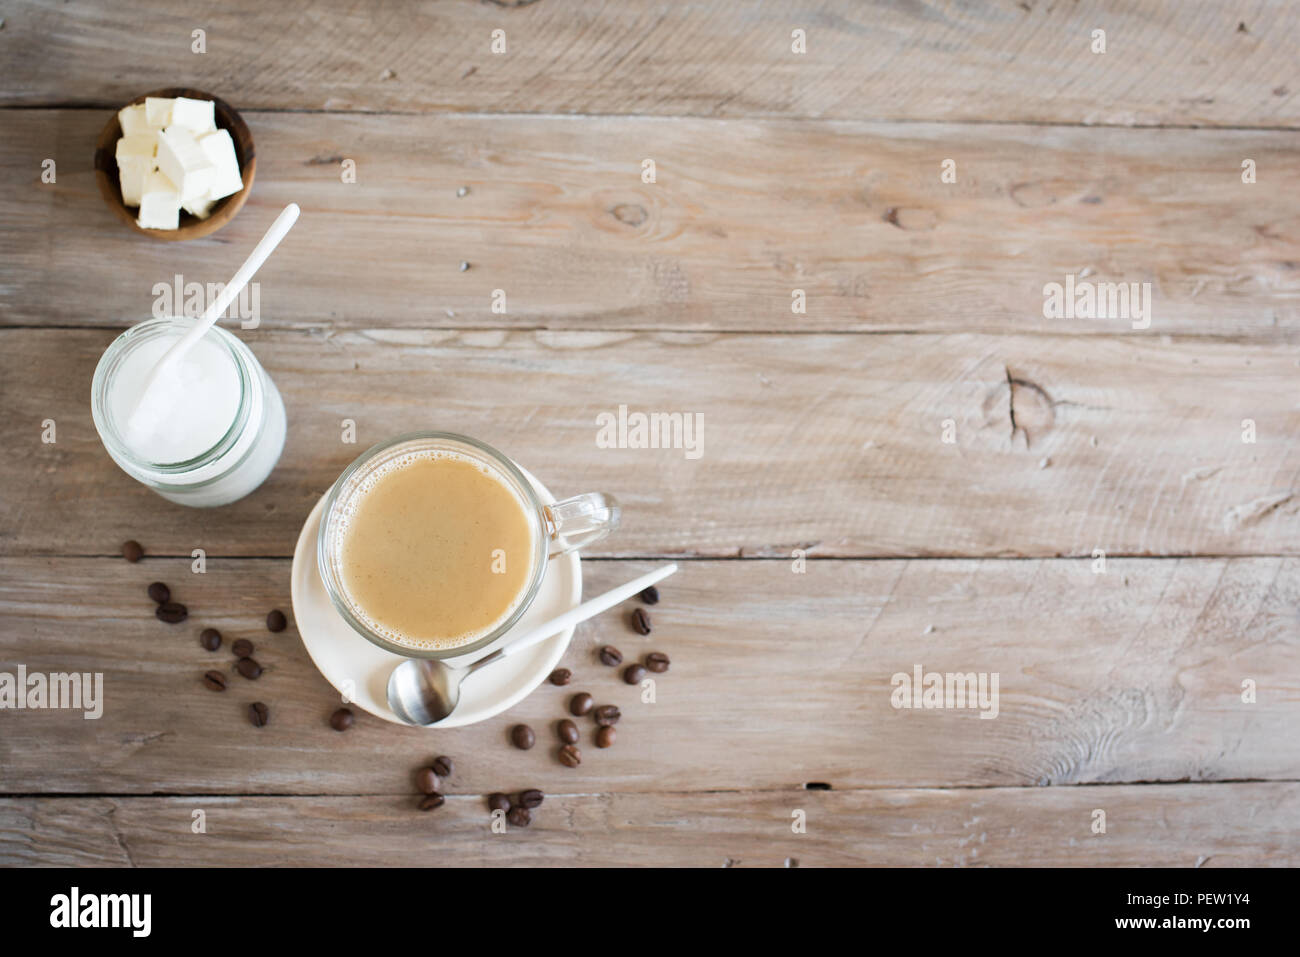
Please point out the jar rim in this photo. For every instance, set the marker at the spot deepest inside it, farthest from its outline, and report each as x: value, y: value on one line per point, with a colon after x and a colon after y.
x: 108, y: 363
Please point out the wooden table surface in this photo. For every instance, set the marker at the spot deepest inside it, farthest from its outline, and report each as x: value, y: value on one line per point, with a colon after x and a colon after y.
x: 1121, y: 680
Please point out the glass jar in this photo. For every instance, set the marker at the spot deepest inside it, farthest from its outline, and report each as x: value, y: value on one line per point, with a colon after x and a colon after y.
x: 249, y: 445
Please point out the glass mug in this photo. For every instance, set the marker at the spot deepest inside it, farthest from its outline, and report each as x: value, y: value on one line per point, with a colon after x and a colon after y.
x: 557, y: 529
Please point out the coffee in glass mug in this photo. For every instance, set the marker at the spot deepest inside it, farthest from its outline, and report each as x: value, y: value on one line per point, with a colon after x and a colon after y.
x: 434, y: 544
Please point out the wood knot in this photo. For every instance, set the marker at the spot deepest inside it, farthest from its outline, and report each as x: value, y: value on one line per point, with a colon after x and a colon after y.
x: 911, y: 218
x: 630, y: 214
x: 1033, y: 195
x: 1030, y: 408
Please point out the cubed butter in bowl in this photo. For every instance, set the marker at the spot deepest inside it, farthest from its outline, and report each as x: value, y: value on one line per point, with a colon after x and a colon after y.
x: 175, y: 163
x: 160, y: 203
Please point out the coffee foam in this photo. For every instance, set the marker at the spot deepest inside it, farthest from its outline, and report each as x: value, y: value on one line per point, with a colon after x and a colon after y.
x: 344, y: 521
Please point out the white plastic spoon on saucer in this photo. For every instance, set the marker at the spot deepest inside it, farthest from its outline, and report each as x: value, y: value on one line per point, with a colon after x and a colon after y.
x: 424, y: 691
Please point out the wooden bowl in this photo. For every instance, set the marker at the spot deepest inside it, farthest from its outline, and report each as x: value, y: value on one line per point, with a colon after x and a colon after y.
x: 191, y: 227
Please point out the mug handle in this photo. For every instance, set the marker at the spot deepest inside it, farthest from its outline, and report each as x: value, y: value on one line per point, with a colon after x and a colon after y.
x: 579, y: 521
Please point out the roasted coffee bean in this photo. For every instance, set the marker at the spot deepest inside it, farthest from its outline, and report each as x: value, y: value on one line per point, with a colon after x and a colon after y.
x: 561, y: 676
x: 443, y: 766
x: 172, y: 612
x: 657, y: 661
x: 210, y: 639
x: 650, y: 596
x: 498, y: 802
x: 523, y: 737
x: 432, y: 801
x: 132, y: 551
x: 243, y: 648
x: 258, y: 714
x: 342, y: 719
x: 641, y: 622
x: 633, y: 674
x: 519, y: 817
x: 567, y: 730
x: 605, y: 737
x: 275, y: 620
x: 580, y: 704
x: 531, y: 798
x: 249, y: 668
x: 607, y: 714
x: 215, y: 680
x: 160, y: 593
x: 426, y: 779
x: 570, y: 756
x: 611, y: 656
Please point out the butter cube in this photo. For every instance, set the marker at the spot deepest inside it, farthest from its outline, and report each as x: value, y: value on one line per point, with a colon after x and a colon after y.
x: 219, y: 148
x: 158, y: 111
x: 197, y: 116
x: 160, y: 203
x: 131, y: 177
x: 200, y: 208
x: 133, y: 120
x: 135, y: 160
x: 182, y: 160
x: 137, y: 147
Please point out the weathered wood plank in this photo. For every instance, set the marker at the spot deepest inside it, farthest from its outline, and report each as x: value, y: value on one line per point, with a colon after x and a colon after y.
x: 741, y: 215
x: 1220, y: 825
x: 1193, y: 62
x: 778, y: 679
x: 831, y: 443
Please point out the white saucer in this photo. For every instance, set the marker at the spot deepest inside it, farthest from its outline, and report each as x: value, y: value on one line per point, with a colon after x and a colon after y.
x: 360, y: 670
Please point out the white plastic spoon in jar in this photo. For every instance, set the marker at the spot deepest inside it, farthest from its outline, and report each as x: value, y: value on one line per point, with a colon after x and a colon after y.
x: 261, y: 252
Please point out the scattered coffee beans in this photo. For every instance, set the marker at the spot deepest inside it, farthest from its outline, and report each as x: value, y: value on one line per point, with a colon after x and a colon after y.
x: 442, y: 766
x: 561, y: 676
x: 570, y: 756
x: 633, y: 674
x: 249, y: 668
x: 611, y: 656
x: 426, y: 779
x: 210, y: 639
x: 650, y: 596
x: 243, y: 648
x: 214, y: 680
x: 132, y: 551
x: 607, y: 714
x: 657, y: 662
x: 498, y: 802
x: 605, y: 737
x: 342, y: 719
x: 275, y: 621
x: 580, y: 704
x: 258, y: 714
x: 160, y: 593
x: 519, y: 817
x: 432, y: 801
x: 568, y: 731
x: 172, y: 612
x: 532, y: 798
x: 523, y: 737
x: 641, y: 622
